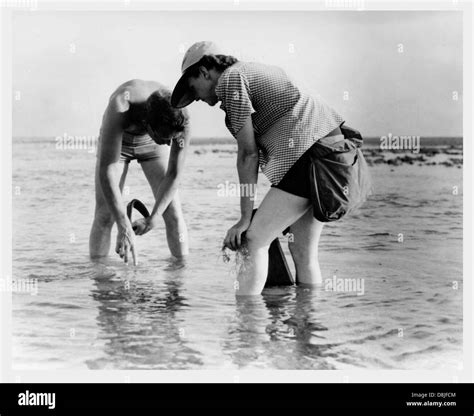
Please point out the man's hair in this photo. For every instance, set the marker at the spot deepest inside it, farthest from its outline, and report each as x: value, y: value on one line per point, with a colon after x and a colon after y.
x: 218, y: 62
x: 163, y: 118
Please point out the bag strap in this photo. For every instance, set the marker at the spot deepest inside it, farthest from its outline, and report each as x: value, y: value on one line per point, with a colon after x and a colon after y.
x: 352, y: 134
x: 139, y: 206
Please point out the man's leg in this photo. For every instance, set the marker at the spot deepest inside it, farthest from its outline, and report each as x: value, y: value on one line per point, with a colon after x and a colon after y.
x: 176, y: 231
x: 278, y: 210
x: 304, y: 248
x: 99, y: 240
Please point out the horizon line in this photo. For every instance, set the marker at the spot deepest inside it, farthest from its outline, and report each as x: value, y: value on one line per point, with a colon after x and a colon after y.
x: 232, y: 138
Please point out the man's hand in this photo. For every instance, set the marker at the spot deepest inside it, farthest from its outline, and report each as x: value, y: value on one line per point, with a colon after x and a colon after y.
x: 125, y: 247
x: 233, y: 239
x: 143, y: 225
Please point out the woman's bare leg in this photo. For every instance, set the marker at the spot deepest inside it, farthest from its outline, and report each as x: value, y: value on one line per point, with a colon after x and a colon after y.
x: 303, y: 245
x: 277, y: 211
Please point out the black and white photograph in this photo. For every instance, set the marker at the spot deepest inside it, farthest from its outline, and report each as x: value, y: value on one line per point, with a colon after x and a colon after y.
x: 240, y: 187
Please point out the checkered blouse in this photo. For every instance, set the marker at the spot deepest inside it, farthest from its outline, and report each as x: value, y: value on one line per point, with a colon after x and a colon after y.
x: 286, y: 121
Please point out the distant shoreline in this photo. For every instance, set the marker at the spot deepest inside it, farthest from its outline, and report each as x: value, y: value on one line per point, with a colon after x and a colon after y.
x: 371, y: 141
x: 447, y: 151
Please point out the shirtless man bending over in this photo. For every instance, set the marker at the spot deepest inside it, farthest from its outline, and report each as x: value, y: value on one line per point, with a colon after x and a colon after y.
x: 139, y: 123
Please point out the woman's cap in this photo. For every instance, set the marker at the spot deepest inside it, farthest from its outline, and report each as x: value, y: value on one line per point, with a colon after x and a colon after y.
x: 182, y: 96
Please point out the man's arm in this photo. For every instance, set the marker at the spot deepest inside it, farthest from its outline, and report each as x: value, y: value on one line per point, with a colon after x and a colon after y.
x: 109, y: 175
x: 111, y: 143
x: 169, y: 184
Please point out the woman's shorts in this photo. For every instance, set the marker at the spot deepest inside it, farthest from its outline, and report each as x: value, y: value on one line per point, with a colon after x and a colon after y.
x: 141, y: 148
x: 297, y: 181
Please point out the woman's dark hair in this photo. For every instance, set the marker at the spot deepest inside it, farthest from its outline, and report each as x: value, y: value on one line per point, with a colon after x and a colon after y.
x: 218, y: 62
x: 162, y: 117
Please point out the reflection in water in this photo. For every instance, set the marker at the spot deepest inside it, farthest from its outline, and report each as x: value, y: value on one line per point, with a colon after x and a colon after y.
x: 141, y: 321
x: 306, y: 329
x: 281, y: 322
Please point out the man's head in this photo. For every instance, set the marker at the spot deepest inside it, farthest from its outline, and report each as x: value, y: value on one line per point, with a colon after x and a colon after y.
x: 164, y: 122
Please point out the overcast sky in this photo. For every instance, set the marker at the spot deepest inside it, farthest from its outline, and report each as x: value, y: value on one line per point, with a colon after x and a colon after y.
x: 66, y: 64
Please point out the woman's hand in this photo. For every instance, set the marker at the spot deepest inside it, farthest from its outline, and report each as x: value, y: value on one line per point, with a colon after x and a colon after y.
x: 125, y: 246
x: 233, y: 239
x: 143, y: 225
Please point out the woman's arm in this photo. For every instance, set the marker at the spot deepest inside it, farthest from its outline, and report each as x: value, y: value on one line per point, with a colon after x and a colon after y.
x: 247, y: 167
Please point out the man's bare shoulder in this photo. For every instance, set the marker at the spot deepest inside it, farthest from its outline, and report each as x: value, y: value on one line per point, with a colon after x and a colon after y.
x: 137, y: 90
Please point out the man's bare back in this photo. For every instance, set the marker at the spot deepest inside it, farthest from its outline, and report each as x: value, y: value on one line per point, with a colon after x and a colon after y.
x: 133, y: 95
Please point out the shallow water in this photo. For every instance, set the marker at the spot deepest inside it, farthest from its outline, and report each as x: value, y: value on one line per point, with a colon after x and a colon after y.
x: 169, y: 315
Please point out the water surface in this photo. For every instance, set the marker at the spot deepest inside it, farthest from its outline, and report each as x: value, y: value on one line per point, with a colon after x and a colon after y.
x: 170, y: 315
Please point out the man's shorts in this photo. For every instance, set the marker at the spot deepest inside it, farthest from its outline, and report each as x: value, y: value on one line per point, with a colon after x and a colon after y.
x: 142, y: 148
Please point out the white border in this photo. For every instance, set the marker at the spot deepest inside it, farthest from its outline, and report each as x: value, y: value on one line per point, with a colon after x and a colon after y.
x: 333, y: 376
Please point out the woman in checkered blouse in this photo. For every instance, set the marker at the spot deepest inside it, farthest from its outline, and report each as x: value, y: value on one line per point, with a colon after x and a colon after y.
x: 275, y: 123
